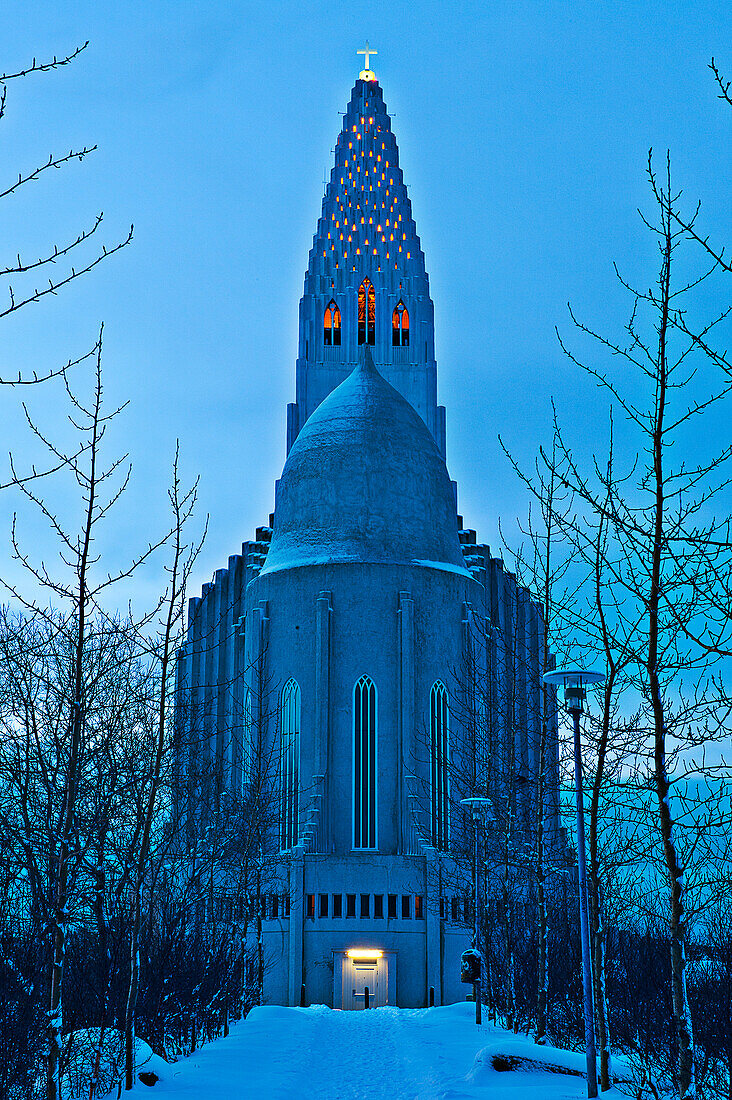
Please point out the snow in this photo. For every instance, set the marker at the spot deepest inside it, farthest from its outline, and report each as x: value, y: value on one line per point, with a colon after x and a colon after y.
x: 444, y: 566
x: 81, y: 1050
x: 382, y: 1054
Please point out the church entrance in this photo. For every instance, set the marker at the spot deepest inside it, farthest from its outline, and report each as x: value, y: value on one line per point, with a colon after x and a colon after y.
x: 365, y: 982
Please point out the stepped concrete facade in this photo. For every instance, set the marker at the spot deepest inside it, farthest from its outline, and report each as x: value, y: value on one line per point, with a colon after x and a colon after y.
x: 364, y: 658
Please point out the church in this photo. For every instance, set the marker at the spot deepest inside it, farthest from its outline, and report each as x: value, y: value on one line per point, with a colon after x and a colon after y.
x: 364, y: 642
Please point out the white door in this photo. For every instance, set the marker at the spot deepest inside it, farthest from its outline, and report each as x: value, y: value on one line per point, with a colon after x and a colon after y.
x: 365, y: 978
x: 360, y: 975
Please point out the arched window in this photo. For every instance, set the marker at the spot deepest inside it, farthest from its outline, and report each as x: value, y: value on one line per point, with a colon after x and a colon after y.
x: 366, y: 313
x: 440, y: 766
x: 245, y: 761
x: 400, y: 326
x: 289, y: 765
x: 364, y: 764
x: 332, y: 325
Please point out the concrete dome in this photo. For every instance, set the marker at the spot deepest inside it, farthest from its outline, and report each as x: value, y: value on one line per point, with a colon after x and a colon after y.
x: 365, y: 482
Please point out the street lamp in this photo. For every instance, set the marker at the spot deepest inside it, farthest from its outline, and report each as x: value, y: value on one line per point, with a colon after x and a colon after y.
x: 574, y: 680
x: 479, y: 808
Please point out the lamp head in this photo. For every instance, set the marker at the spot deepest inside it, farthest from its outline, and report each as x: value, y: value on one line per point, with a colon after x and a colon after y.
x: 573, y: 680
x: 479, y: 806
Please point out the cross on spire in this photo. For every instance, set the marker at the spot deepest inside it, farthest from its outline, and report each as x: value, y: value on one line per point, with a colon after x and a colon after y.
x: 367, y: 51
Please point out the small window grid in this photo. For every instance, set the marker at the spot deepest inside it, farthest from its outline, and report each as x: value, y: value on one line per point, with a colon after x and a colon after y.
x: 362, y: 906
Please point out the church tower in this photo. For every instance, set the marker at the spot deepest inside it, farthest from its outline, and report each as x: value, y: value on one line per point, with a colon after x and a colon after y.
x: 366, y: 283
x: 364, y: 664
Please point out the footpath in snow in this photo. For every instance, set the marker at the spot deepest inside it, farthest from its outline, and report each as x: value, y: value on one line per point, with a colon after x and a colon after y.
x: 381, y: 1054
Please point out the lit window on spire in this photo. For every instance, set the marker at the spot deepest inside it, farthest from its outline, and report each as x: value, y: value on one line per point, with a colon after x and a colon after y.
x: 366, y: 313
x: 332, y: 325
x: 400, y: 326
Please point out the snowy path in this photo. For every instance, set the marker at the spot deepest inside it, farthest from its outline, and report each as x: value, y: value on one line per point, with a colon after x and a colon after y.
x: 385, y: 1054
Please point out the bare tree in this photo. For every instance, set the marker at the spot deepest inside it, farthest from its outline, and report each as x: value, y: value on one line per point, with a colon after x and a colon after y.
x: 674, y: 560
x: 183, y: 556
x: 66, y: 251
x: 77, y: 588
x: 544, y: 567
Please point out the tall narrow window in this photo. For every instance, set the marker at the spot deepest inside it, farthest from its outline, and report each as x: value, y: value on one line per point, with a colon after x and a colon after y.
x: 332, y: 325
x: 400, y: 326
x: 364, y: 764
x: 245, y: 760
x: 440, y: 757
x: 289, y: 765
x: 366, y: 313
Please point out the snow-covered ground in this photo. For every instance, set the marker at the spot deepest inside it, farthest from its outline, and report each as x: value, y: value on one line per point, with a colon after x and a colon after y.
x: 384, y: 1054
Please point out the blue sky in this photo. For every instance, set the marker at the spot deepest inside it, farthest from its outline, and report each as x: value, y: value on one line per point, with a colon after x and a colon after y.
x: 523, y: 130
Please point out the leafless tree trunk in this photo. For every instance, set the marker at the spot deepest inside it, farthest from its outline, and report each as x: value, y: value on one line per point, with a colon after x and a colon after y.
x: 182, y: 504
x: 670, y: 576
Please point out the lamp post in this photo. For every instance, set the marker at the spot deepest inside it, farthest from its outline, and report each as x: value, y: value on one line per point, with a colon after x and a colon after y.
x: 478, y: 807
x: 574, y: 680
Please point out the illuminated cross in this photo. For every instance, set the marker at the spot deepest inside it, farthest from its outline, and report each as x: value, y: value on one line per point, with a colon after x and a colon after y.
x: 367, y: 52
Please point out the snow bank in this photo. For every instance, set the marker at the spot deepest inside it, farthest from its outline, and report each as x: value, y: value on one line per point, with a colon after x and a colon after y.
x: 522, y: 1056
x: 516, y: 1063
x: 80, y: 1048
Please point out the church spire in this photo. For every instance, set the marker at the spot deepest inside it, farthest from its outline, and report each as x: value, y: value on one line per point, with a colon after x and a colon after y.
x: 366, y: 281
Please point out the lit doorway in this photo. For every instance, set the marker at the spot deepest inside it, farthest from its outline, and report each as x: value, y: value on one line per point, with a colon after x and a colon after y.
x: 365, y: 979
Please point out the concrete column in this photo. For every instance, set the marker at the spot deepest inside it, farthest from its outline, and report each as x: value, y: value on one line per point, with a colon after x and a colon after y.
x: 195, y: 707
x: 297, y: 913
x: 182, y: 687
x: 208, y: 743
x: 534, y: 685
x: 469, y: 687
x: 321, y: 754
x: 406, y: 755
x: 218, y: 673
x: 432, y: 926
x: 524, y: 791
x: 239, y: 690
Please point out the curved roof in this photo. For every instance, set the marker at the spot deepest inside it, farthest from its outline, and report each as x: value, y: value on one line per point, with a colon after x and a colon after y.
x: 365, y: 482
